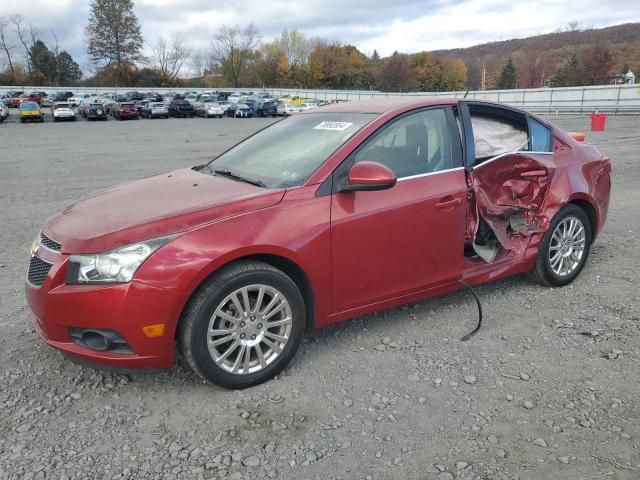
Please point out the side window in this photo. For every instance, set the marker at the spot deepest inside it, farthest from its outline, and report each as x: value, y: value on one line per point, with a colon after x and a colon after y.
x: 540, y: 136
x: 412, y: 145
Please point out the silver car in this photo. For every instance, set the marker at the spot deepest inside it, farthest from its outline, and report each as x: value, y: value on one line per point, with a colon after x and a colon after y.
x: 63, y: 111
x: 209, y: 109
x: 154, y: 110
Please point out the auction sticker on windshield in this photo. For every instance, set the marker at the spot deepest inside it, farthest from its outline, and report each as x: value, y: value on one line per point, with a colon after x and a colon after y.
x: 337, y: 126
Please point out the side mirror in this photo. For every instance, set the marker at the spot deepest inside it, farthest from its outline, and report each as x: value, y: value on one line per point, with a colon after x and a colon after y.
x: 368, y: 176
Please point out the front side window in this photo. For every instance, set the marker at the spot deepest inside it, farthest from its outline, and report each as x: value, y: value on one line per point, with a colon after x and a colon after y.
x: 288, y: 152
x: 415, y: 144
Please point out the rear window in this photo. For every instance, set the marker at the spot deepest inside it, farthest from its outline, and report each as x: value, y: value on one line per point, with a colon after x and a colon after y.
x: 28, y: 105
x: 157, y: 105
x: 127, y: 105
x: 62, y: 105
x: 181, y: 102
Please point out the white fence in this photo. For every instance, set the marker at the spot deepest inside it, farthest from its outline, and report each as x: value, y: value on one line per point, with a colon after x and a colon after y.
x: 605, y: 98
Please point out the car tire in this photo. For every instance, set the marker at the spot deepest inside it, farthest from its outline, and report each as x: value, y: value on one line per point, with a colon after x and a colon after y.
x: 200, y: 318
x: 564, y: 248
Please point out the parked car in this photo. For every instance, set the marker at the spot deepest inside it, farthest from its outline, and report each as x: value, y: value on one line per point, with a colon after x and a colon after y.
x: 327, y: 215
x: 31, y: 97
x: 75, y: 101
x: 94, y: 110
x: 209, y: 109
x: 6, y: 97
x: 4, y: 112
x: 239, y: 110
x: 181, y: 108
x: 285, y: 109
x: 133, y: 96
x: 62, y: 96
x: 234, y: 97
x: 126, y: 110
x: 30, y: 111
x: 268, y: 109
x: 308, y: 106
x: 63, y: 111
x: 154, y: 110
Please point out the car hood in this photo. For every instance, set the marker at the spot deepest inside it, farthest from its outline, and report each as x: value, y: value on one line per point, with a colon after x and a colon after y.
x: 153, y: 207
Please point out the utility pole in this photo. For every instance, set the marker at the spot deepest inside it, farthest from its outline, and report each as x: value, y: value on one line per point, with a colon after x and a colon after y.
x: 484, y: 78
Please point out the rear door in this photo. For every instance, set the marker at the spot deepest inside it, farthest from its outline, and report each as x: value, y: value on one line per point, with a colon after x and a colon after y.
x: 510, y: 168
x: 408, y: 238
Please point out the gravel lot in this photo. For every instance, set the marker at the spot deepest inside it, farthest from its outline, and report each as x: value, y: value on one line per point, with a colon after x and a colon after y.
x: 548, y: 389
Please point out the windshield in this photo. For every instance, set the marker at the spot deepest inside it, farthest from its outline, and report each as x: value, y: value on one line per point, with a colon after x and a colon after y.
x: 62, y: 105
x: 288, y: 152
x: 29, y: 106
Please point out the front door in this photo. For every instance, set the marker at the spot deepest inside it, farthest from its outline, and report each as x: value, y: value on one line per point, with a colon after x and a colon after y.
x: 389, y: 243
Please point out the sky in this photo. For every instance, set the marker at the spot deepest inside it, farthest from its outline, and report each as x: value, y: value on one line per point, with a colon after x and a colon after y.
x: 385, y: 25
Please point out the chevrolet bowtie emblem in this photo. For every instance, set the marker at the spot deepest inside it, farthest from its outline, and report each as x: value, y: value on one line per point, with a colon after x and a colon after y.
x: 34, y: 248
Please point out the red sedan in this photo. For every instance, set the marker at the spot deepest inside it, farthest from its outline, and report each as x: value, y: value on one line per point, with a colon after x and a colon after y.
x: 32, y: 97
x: 330, y: 214
x: 124, y: 111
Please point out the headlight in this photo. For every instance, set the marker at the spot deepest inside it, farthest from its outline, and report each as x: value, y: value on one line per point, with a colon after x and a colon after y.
x: 115, y: 266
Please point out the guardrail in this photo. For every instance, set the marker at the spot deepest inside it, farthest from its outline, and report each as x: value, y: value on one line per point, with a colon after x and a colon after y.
x: 603, y: 98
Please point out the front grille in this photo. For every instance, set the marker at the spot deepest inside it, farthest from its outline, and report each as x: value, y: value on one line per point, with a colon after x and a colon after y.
x: 48, y: 243
x: 38, y: 270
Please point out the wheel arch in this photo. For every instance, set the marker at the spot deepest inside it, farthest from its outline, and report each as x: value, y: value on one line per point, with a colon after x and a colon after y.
x: 281, y: 262
x: 587, y: 206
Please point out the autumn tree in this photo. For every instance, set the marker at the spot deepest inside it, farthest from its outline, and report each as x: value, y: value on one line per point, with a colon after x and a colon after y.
x: 508, y: 76
x: 272, y: 65
x: 595, y: 65
x: 114, y: 34
x: 395, y: 74
x: 233, y: 48
x: 339, y: 66
x: 169, y: 57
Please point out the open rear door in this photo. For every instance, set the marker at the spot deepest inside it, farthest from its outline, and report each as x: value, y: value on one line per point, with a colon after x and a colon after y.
x: 509, y: 193
x: 510, y: 166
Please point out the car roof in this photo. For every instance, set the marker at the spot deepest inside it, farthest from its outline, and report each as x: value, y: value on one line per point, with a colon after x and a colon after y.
x: 387, y: 104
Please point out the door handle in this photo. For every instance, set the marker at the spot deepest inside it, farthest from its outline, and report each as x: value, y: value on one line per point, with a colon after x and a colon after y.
x: 447, y: 203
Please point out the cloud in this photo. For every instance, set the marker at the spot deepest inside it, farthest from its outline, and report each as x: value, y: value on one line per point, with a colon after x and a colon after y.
x: 384, y: 25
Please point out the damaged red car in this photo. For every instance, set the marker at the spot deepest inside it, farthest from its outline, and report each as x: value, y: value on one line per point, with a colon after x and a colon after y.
x: 330, y: 214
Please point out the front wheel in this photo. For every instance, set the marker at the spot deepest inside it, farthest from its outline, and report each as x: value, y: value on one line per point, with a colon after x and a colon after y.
x: 564, y: 248
x: 243, y: 326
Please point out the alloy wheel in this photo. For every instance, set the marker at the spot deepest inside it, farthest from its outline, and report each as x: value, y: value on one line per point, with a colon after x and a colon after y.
x: 567, y: 246
x: 249, y: 329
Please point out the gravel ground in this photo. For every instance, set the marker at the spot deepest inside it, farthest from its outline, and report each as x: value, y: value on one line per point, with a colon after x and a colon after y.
x: 548, y: 389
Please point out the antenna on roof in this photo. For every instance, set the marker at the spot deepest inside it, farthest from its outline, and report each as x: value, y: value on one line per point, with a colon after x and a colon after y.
x: 465, y: 94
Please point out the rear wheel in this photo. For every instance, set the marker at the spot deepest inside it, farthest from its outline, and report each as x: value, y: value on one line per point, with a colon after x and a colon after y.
x: 243, y: 326
x: 564, y: 248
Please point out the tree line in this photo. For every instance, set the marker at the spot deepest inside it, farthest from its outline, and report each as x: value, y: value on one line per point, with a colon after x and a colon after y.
x: 238, y: 56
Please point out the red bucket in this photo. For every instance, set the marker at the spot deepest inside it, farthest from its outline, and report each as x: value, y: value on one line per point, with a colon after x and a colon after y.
x: 597, y: 122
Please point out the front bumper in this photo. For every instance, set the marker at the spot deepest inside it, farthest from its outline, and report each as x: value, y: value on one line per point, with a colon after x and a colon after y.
x: 124, y: 308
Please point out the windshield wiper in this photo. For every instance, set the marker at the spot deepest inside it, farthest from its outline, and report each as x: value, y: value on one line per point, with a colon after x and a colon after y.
x: 229, y: 174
